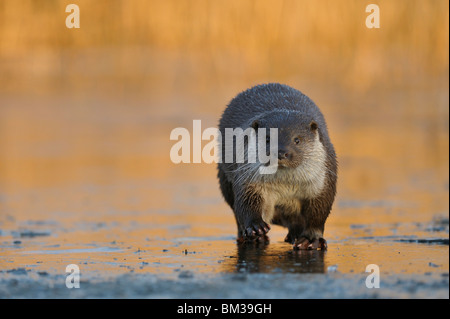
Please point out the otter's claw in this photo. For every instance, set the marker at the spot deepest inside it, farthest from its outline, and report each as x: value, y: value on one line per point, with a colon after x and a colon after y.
x: 304, y: 243
x: 256, y: 229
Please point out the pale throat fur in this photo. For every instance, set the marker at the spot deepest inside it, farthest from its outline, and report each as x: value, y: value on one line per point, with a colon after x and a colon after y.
x: 288, y: 186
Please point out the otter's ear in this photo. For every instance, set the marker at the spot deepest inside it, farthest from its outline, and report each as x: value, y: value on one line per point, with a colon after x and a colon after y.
x: 313, y: 126
x: 255, y: 125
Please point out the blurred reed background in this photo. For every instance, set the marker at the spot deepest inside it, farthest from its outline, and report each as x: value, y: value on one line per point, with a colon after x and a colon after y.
x: 96, y: 105
x: 214, y: 42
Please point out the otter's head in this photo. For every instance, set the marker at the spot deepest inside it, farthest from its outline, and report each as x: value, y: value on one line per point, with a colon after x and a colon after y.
x: 298, y: 138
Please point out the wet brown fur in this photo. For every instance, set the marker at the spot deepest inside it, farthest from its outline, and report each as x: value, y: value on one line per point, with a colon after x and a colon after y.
x: 287, y: 194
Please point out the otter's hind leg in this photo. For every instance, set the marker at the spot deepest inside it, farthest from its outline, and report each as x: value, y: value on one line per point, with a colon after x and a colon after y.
x: 290, y: 221
x: 294, y: 232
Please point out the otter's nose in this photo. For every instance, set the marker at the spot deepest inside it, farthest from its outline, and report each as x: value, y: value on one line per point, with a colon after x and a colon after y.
x: 282, y: 154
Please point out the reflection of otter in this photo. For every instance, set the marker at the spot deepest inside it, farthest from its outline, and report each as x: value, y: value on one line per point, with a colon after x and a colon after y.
x: 260, y: 257
x: 300, y: 194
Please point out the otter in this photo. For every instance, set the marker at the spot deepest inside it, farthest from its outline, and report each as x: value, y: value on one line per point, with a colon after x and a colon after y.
x: 300, y: 194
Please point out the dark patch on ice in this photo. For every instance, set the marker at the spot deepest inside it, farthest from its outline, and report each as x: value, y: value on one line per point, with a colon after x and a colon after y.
x: 434, y: 241
x: 17, y: 271
x: 32, y: 234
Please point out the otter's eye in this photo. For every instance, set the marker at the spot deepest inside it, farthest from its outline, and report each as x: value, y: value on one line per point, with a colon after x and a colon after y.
x: 297, y: 140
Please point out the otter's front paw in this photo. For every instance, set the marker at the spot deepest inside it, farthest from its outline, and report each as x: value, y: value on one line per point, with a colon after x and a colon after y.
x: 304, y: 243
x: 256, y: 228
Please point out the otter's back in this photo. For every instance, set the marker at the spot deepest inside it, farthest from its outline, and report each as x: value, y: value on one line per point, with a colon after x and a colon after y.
x: 266, y: 98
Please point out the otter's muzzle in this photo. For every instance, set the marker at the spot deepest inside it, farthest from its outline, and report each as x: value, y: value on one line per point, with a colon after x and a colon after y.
x: 283, y: 155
